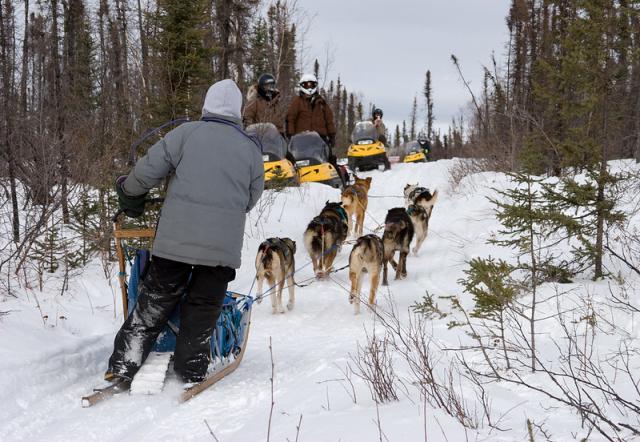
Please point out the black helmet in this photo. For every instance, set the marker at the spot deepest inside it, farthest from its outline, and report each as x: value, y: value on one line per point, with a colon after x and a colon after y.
x: 267, y: 86
x: 377, y: 112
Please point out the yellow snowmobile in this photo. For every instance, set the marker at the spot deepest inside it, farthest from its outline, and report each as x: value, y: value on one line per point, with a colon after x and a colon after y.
x: 366, y: 152
x: 414, y: 153
x: 278, y: 170
x: 311, y: 154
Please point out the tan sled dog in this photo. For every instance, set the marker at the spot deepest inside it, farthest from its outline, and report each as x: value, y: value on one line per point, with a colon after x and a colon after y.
x: 365, y: 257
x: 355, y: 200
x: 324, y: 237
x: 275, y: 263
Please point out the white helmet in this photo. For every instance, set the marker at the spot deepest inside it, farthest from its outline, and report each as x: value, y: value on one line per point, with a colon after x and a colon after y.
x: 308, y: 84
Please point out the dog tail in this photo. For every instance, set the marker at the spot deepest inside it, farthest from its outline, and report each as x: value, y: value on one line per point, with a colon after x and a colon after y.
x: 267, y: 258
x: 434, y: 197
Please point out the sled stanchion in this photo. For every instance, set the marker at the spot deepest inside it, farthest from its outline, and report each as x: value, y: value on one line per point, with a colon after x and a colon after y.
x: 122, y: 275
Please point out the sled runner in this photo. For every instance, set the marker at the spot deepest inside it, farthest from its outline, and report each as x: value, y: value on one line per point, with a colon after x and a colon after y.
x: 228, y: 341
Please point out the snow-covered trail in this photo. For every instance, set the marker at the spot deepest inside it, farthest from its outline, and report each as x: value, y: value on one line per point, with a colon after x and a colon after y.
x: 45, y: 370
x: 41, y: 386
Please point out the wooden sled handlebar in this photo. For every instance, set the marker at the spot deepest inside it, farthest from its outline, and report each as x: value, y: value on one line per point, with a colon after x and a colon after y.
x: 120, y: 235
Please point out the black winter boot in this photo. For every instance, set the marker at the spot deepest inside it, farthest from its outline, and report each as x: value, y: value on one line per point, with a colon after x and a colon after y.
x: 159, y: 293
x: 198, y: 317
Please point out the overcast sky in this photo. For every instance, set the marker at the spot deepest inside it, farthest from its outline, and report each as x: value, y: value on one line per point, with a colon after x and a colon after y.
x: 382, y: 49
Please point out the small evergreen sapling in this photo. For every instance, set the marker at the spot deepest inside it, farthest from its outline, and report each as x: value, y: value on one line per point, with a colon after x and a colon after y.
x: 523, y: 214
x: 489, y: 282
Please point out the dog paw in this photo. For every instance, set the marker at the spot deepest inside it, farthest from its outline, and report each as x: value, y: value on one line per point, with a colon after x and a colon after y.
x: 290, y: 305
x: 274, y: 311
x: 281, y: 310
x: 351, y: 299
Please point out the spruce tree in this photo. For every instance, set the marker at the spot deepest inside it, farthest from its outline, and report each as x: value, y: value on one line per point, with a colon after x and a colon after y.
x: 523, y: 214
x: 182, y: 59
x: 428, y: 96
x: 413, y: 119
x: 489, y: 282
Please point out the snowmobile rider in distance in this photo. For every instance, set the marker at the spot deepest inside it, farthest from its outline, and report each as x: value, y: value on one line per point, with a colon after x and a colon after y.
x: 310, y: 111
x: 263, y: 104
x: 423, y: 141
x: 199, y: 236
x: 381, y: 130
x: 376, y: 118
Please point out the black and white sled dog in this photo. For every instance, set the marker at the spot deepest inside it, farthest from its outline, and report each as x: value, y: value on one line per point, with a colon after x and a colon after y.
x: 420, y: 196
x: 398, y: 233
x: 324, y: 237
x: 275, y: 263
x: 365, y: 257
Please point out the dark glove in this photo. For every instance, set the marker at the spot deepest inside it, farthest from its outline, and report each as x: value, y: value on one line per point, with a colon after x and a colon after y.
x: 132, y: 206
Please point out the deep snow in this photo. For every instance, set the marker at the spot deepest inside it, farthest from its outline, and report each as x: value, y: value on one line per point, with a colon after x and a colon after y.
x: 46, y: 366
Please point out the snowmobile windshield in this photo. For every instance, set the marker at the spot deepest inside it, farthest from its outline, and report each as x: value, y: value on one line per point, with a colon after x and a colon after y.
x: 364, y: 133
x: 274, y: 147
x: 412, y: 147
x: 308, y: 148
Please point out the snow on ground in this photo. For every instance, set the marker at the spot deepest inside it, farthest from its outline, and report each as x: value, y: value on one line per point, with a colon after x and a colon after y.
x: 46, y: 366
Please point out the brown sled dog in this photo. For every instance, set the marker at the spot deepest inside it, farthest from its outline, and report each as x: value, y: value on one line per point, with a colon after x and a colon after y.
x: 420, y: 219
x: 365, y: 257
x: 398, y: 233
x: 355, y: 200
x: 420, y: 196
x: 275, y: 263
x: 324, y: 237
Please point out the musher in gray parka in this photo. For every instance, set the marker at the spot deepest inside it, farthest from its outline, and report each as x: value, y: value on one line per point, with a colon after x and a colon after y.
x: 217, y: 176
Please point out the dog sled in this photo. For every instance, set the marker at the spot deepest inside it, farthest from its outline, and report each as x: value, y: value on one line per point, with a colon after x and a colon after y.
x: 414, y: 153
x: 228, y: 340
x: 311, y: 154
x: 366, y: 151
x: 278, y: 170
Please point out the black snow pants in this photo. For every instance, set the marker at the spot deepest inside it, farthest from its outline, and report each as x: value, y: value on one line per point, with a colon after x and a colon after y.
x: 162, y: 289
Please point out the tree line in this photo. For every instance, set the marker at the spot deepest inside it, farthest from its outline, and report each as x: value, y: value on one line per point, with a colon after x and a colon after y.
x: 80, y: 82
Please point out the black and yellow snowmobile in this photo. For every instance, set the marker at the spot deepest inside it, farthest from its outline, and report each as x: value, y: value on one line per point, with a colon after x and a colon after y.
x: 414, y: 153
x: 278, y: 170
x: 366, y: 151
x: 311, y: 154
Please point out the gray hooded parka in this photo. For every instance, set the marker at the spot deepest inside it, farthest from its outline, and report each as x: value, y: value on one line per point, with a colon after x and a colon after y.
x: 218, y: 176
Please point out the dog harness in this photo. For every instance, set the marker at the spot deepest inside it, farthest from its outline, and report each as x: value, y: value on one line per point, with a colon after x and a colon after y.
x: 415, y: 209
x: 278, y: 244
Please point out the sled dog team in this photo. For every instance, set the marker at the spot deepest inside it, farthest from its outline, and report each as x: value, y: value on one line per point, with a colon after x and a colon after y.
x: 325, y: 234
